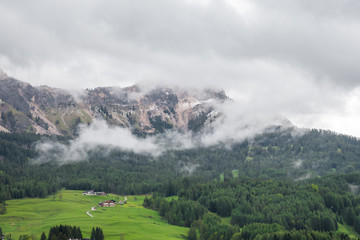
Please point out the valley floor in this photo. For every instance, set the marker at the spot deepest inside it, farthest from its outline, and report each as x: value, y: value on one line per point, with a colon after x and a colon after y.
x: 131, y: 220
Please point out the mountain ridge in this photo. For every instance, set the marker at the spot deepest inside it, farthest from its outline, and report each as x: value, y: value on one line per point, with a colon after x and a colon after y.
x: 53, y: 111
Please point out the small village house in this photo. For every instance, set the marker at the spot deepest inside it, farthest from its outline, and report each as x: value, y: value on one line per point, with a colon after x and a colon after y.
x: 92, y: 193
x: 107, y: 203
x: 89, y: 193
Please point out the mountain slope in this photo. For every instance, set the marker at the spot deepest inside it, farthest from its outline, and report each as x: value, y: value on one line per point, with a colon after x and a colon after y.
x: 45, y: 110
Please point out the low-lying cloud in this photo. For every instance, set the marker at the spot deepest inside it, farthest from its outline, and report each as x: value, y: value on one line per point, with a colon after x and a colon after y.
x: 298, y: 163
x: 98, y: 134
x: 188, y: 168
x: 227, y: 129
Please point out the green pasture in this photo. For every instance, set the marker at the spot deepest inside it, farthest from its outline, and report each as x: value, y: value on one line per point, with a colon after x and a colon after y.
x: 348, y: 230
x: 235, y: 173
x: 175, y: 197
x: 131, y: 220
x: 226, y: 220
x: 221, y: 177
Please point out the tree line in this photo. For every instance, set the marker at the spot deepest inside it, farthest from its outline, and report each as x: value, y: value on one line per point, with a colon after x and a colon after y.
x: 275, y: 154
x: 62, y: 232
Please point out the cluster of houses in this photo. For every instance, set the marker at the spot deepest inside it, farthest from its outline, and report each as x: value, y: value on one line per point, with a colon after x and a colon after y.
x: 112, y: 203
x: 92, y: 193
x: 107, y: 203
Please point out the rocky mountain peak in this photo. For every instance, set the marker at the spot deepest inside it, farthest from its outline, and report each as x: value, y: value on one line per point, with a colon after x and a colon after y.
x: 2, y: 74
x: 46, y: 110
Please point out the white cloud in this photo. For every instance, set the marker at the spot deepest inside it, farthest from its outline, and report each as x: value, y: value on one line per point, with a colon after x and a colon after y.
x: 99, y: 136
x: 343, y: 119
x: 297, y: 59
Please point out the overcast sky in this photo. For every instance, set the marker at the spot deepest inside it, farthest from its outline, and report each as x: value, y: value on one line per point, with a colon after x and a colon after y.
x: 293, y: 58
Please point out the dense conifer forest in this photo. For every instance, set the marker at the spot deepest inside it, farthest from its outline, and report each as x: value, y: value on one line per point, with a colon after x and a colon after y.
x: 264, y: 206
x: 275, y: 186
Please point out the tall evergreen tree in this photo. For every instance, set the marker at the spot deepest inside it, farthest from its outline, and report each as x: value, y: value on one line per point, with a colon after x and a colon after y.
x: 99, y: 235
x: 77, y: 233
x: 192, y: 234
x: 64, y: 232
x: 93, y: 234
x: 357, y: 224
x: 43, y: 236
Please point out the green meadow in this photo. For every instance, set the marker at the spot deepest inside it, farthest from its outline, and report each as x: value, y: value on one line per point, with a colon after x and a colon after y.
x: 129, y: 221
x: 348, y: 230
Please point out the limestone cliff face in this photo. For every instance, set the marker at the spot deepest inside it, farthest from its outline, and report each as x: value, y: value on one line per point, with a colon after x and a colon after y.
x: 46, y: 110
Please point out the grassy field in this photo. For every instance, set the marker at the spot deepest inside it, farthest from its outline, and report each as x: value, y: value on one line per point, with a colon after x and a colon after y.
x: 235, y: 173
x: 32, y: 216
x: 348, y: 230
x: 226, y: 220
x: 171, y: 198
x: 221, y: 177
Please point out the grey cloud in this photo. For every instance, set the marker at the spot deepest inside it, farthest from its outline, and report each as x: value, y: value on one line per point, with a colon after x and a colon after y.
x: 274, y: 57
x: 188, y: 168
x: 145, y: 33
x: 102, y: 137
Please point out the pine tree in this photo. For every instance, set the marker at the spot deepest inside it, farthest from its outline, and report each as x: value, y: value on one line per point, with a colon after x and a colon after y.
x: 98, y: 232
x: 43, y: 236
x: 192, y: 234
x: 92, y: 234
x: 101, y: 234
x: 357, y: 224
x: 77, y: 233
x: 52, y: 233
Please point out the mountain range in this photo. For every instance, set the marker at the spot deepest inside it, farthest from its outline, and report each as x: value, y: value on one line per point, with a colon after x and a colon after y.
x: 52, y: 111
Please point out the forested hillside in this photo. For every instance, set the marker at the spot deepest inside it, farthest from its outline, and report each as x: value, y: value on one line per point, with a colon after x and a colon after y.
x: 271, y: 155
x: 277, y: 181
x: 263, y: 206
